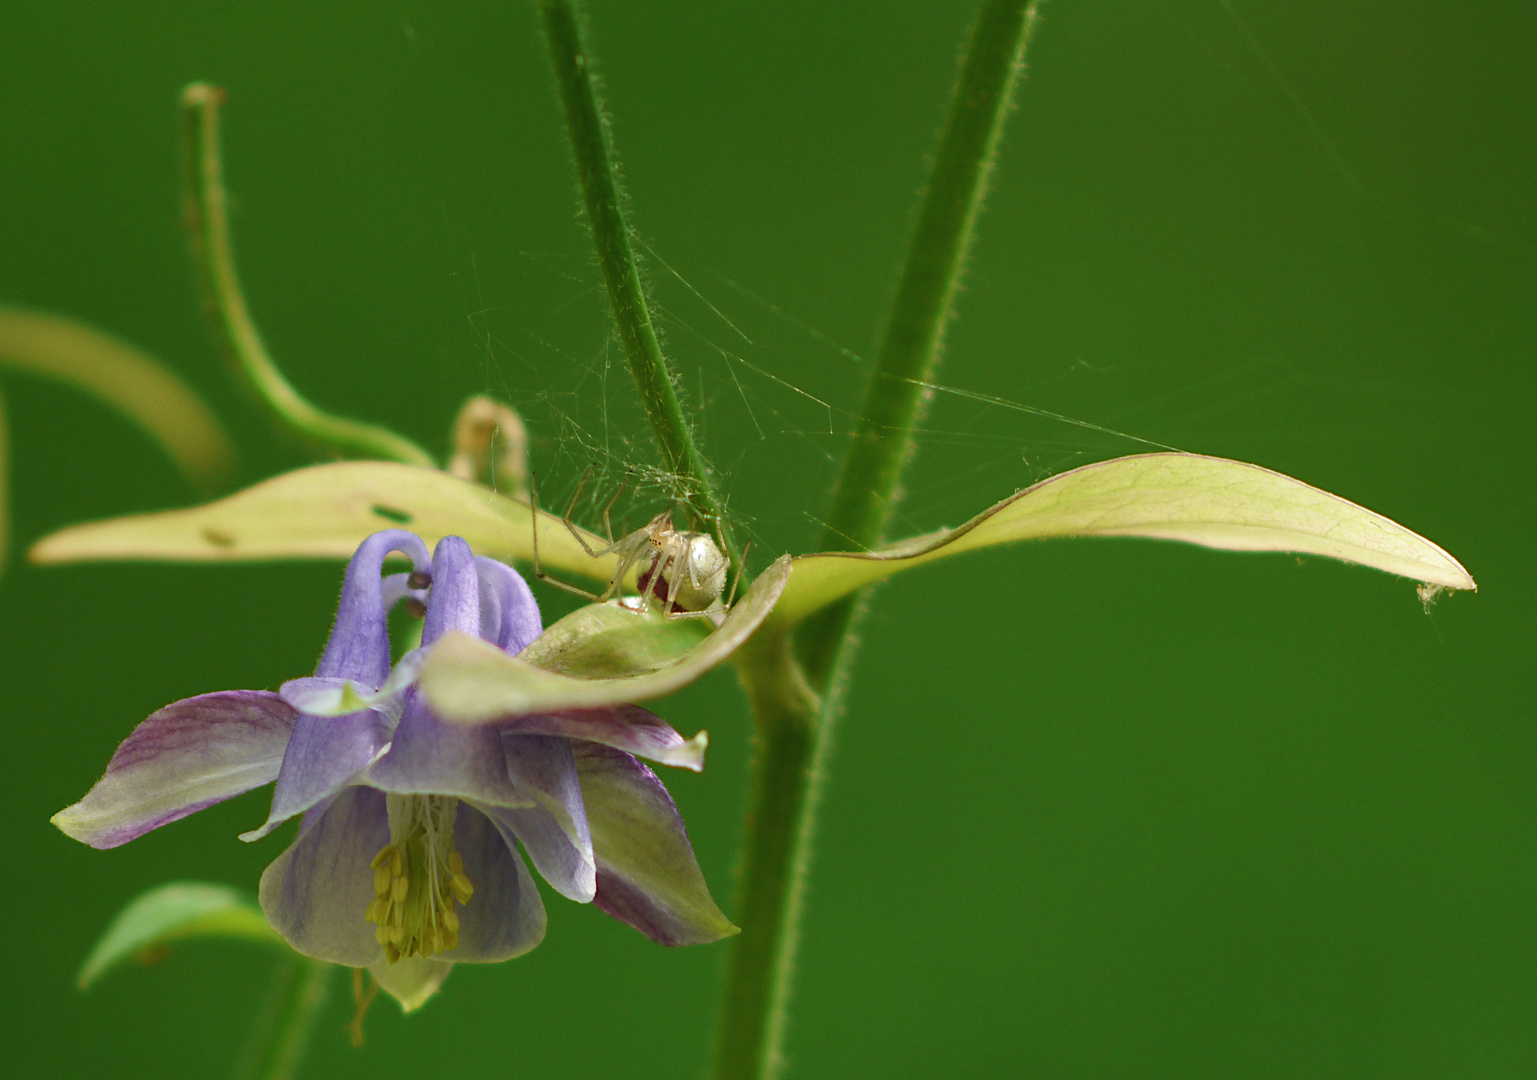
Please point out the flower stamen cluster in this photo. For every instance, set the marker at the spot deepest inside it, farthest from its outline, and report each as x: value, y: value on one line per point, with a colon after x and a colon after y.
x: 417, y: 877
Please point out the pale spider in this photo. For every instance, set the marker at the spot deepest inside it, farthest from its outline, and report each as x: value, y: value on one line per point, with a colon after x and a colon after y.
x: 682, y: 572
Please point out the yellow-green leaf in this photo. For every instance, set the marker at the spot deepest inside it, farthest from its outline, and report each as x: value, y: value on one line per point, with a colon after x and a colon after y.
x: 1202, y: 500
x: 325, y: 512
x: 173, y: 912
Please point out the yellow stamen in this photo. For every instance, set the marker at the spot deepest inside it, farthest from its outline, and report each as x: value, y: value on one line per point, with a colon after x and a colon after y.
x: 417, y: 878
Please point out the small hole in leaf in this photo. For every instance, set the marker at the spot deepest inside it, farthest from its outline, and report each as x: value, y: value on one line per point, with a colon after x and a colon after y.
x: 389, y: 513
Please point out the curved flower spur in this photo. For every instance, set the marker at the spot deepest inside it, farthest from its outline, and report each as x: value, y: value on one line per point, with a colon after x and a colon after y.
x: 406, y: 860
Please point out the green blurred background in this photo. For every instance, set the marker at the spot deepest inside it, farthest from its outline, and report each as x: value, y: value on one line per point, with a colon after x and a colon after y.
x: 1097, y: 809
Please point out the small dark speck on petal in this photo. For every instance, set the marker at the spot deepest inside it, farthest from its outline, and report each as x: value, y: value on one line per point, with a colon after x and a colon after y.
x: 218, y: 537
x: 419, y: 579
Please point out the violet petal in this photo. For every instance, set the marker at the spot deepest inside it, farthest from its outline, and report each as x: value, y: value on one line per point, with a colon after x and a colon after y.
x: 505, y: 916
x: 554, y: 832
x: 647, y: 873
x: 182, y: 758
x: 325, y: 754
x: 503, y: 592
x: 629, y: 728
x: 455, y: 600
x: 316, y: 894
x: 428, y: 757
x: 359, y: 645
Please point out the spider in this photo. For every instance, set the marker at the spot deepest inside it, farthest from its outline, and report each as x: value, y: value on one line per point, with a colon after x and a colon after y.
x: 682, y: 572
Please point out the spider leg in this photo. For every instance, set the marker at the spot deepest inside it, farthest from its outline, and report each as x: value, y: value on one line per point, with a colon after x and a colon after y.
x: 741, y: 568
x: 608, y: 530
x: 706, y: 614
x: 675, y: 561
x: 533, y: 514
x: 580, y: 484
x: 628, y: 560
x: 572, y: 529
x: 574, y: 590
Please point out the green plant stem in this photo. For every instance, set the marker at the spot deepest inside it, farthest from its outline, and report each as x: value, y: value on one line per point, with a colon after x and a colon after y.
x: 5, y: 484
x: 282, y: 1033
x: 207, y: 215
x: 795, y: 725
x: 605, y: 202
x: 786, y: 713
x: 909, y: 354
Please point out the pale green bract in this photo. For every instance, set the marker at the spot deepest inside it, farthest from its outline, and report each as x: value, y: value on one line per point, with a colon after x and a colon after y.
x: 607, y: 656
x: 176, y: 911
x: 327, y: 510
x: 1213, y: 502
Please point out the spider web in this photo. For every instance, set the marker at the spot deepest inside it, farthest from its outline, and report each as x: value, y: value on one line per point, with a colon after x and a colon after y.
x: 774, y: 397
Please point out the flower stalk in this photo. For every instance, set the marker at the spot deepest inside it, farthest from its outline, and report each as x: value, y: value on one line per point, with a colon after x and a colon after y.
x: 604, y: 199
x: 299, y: 990
x: 794, y: 728
x: 207, y: 214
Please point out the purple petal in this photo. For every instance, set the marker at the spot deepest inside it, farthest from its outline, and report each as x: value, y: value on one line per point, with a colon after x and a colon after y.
x: 624, y: 727
x: 188, y: 755
x: 325, y: 754
x: 647, y: 873
x: 505, y: 917
x: 316, y: 894
x: 359, y: 646
x: 455, y: 600
x: 509, y: 613
x: 411, y: 980
x: 554, y: 832
x: 428, y: 757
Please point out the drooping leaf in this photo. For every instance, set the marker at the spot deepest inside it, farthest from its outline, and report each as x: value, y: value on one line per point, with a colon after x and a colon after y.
x: 325, y: 512
x: 470, y: 681
x: 176, y: 911
x: 1202, y: 500
x: 123, y: 377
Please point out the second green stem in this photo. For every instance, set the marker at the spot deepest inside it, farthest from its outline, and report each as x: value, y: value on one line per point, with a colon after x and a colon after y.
x: 796, y: 687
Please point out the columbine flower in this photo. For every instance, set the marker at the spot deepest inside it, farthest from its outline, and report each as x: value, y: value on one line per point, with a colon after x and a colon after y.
x: 407, y: 861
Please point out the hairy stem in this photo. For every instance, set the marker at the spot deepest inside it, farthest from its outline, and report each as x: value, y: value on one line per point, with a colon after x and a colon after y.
x: 605, y: 202
x: 910, y: 347
x: 207, y: 215
x: 781, y: 808
x: 794, y: 729
x: 282, y: 1033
